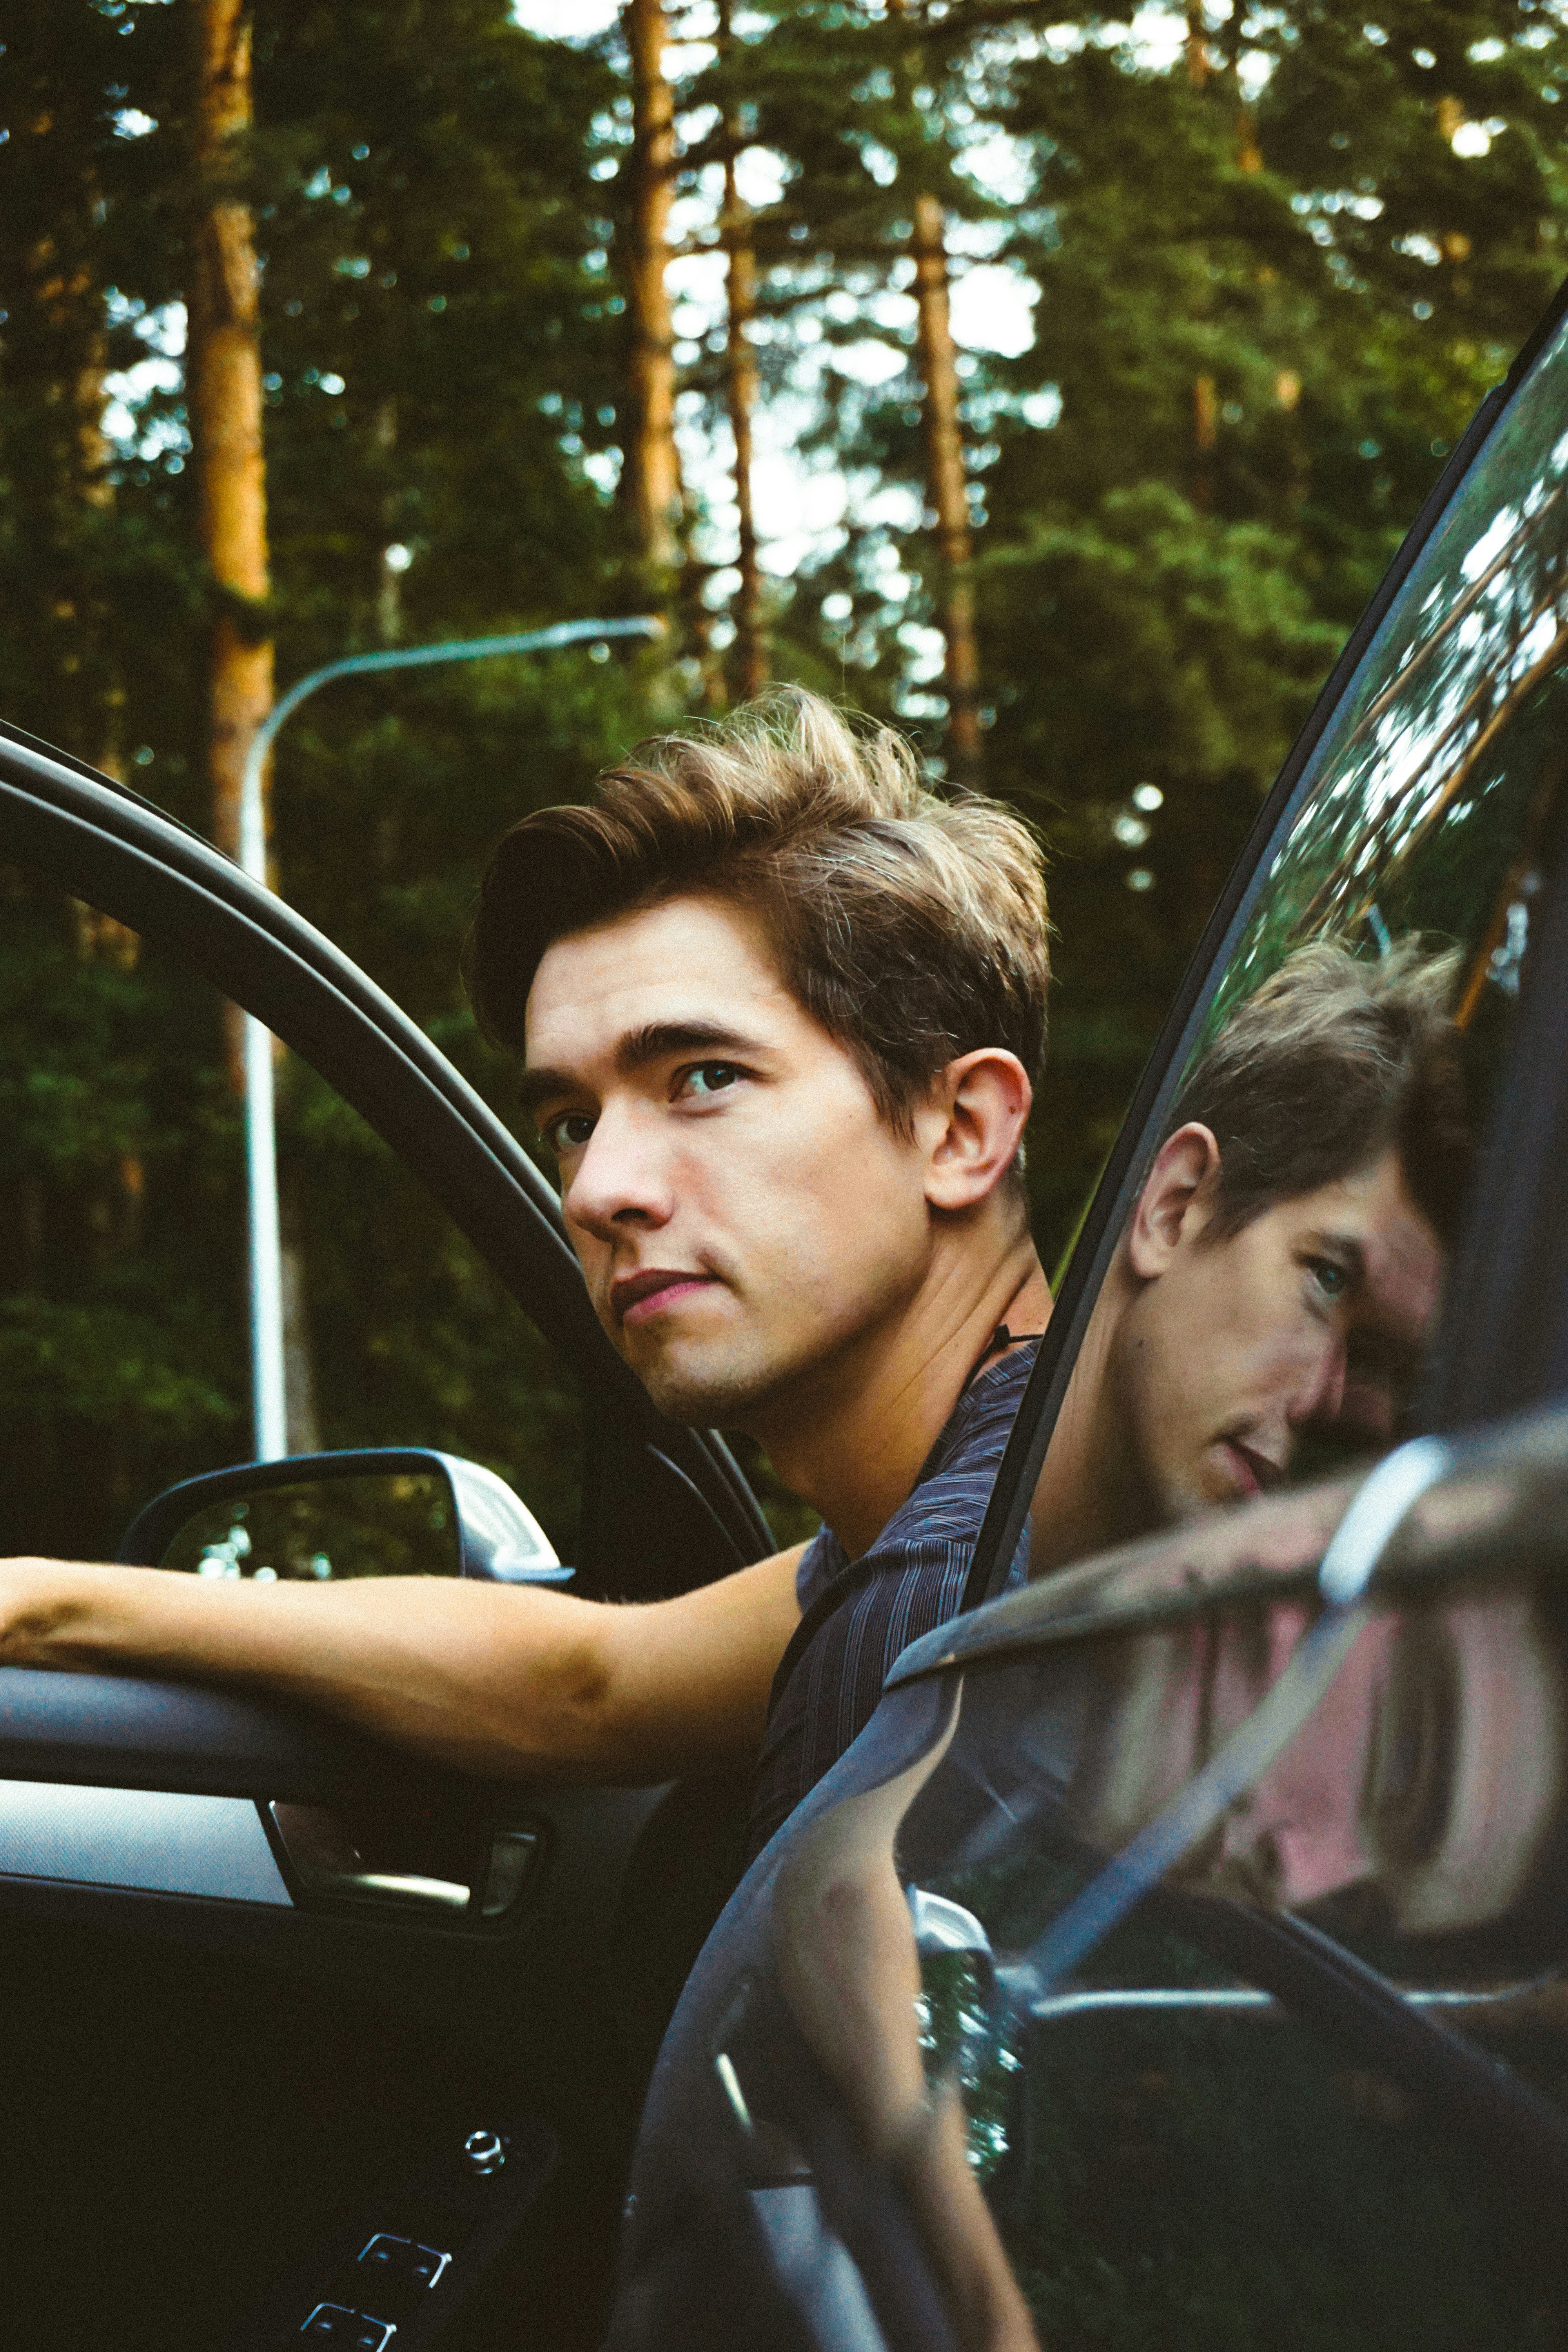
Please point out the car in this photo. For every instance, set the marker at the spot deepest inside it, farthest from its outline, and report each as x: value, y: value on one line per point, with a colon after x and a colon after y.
x: 996, y: 2038
x: 1178, y: 1959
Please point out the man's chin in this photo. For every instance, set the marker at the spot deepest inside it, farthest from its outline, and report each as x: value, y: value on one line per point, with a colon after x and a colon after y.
x: 703, y: 1393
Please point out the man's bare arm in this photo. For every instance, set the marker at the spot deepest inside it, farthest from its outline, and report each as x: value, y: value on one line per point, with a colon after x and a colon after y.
x: 510, y: 1681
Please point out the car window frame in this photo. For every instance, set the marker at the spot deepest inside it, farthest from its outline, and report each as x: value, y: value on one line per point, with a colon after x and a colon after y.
x: 1008, y: 1509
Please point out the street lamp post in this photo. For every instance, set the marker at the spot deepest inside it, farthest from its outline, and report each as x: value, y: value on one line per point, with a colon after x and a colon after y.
x: 266, y: 1386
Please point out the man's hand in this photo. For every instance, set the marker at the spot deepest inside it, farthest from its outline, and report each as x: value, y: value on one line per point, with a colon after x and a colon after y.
x: 513, y: 1682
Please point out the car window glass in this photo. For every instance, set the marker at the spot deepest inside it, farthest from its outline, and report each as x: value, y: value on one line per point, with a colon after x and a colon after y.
x: 1271, y: 1291
x: 123, y: 1314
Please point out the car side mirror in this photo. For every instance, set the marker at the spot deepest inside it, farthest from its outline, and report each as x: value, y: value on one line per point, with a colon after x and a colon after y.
x: 382, y: 1510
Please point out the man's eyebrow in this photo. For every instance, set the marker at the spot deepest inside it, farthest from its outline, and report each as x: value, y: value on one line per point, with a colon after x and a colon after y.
x: 635, y: 1050
x: 652, y: 1042
x: 536, y: 1086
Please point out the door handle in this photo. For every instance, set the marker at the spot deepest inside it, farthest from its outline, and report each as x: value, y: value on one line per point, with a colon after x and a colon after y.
x: 327, y: 1862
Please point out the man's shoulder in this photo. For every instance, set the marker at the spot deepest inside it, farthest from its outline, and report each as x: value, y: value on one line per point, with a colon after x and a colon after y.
x: 861, y: 1617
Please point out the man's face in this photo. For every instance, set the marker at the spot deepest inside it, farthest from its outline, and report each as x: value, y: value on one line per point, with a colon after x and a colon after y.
x: 742, y: 1214
x: 1311, y: 1318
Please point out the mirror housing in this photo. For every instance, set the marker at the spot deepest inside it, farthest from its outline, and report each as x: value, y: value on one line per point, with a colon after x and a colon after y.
x: 452, y: 1517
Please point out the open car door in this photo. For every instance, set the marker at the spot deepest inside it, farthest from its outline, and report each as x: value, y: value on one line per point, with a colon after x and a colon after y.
x: 299, y: 2030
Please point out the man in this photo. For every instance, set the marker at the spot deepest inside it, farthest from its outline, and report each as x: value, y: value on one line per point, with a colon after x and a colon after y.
x: 781, y: 1010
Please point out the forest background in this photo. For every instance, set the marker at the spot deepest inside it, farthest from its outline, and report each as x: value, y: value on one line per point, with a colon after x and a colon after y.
x: 1055, y: 381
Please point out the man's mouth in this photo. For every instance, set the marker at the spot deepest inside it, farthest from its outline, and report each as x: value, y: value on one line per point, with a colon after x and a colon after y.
x: 1254, y: 1473
x: 639, y: 1298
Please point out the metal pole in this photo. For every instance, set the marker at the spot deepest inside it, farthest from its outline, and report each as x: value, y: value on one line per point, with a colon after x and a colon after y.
x: 267, y: 1388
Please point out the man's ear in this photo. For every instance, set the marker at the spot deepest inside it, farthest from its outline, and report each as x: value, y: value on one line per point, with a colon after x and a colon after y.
x: 1169, y: 1209
x: 971, y: 1123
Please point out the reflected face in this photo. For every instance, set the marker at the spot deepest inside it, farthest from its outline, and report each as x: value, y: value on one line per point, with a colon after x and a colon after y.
x: 1312, y: 1317
x: 743, y: 1214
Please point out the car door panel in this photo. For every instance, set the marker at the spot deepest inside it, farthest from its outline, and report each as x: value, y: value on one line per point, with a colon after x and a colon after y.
x: 344, y: 2044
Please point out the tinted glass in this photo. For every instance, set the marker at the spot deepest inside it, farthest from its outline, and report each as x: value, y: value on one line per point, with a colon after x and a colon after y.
x: 1275, y: 1285
x: 1193, y: 2123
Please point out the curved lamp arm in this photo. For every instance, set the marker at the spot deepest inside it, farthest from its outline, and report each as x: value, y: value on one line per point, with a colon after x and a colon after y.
x: 267, y: 1384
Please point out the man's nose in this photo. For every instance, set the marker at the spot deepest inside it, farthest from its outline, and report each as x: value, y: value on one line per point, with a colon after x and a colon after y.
x: 621, y: 1180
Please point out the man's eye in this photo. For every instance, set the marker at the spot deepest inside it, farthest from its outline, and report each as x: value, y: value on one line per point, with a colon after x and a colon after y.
x: 569, y: 1132
x: 1332, y: 1278
x: 709, y: 1078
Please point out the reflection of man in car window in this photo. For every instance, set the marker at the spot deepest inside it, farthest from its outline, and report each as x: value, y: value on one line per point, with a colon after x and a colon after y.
x: 1279, y: 1273
x: 780, y: 1008
x: 1424, y: 1780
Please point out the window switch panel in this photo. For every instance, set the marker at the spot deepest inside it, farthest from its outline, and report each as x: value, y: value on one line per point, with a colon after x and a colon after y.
x: 402, y: 2260
x: 334, y: 2323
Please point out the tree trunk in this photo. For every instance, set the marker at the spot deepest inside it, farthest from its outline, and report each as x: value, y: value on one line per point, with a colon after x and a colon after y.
x: 652, y: 474
x: 948, y: 490
x: 1197, y: 45
x: 389, y: 573
x: 223, y: 381
x: 224, y: 397
x: 302, y: 1428
x: 1205, y: 440
x: 740, y: 387
x: 740, y: 393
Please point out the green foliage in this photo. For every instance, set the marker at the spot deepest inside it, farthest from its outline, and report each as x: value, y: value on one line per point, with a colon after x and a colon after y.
x: 1265, y: 300
x: 1269, y: 297
x: 440, y: 355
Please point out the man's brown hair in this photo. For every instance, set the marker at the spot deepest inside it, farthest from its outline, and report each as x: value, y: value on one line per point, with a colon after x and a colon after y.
x: 1335, y: 1060
x: 913, y: 927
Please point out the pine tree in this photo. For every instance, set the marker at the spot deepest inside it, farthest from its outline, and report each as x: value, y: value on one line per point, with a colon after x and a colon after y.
x: 741, y: 387
x: 452, y: 275
x: 945, y: 486
x: 652, y: 477
x: 223, y: 376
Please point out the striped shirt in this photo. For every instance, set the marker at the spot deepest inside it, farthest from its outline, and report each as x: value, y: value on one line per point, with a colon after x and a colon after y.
x: 858, y: 1615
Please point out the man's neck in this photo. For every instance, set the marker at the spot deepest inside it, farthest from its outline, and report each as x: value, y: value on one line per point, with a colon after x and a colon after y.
x: 852, y: 1447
